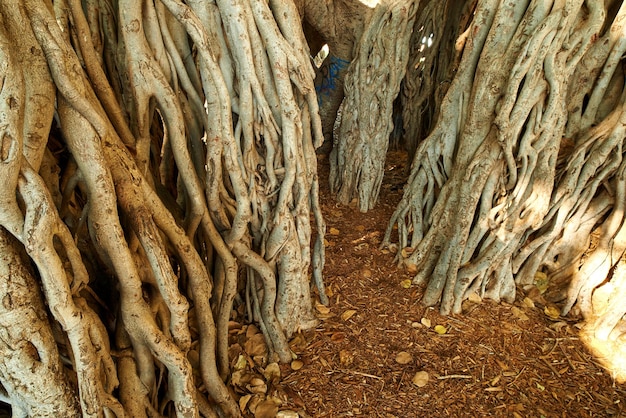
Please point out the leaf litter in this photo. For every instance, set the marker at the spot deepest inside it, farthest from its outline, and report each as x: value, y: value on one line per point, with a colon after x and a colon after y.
x: 376, y: 353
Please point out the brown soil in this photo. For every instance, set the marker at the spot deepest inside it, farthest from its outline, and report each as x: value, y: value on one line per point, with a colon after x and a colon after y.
x: 493, y: 360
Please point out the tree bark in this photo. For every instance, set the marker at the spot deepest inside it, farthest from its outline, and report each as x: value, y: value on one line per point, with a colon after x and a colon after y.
x: 372, y: 84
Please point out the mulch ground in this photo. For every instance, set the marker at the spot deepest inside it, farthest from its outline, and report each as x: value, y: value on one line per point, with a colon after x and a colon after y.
x: 378, y: 352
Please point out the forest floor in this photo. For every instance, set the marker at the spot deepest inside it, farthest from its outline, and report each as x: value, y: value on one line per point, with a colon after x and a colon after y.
x: 377, y: 352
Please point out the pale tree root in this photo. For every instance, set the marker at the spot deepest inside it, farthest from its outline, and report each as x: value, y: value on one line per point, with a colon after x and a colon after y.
x: 371, y: 86
x: 166, y: 194
x: 31, y: 371
x: 482, y: 185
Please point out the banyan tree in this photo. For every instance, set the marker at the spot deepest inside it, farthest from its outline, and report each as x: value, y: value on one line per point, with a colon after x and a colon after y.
x: 159, y: 173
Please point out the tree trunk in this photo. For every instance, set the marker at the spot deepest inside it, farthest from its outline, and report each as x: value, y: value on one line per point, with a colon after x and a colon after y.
x: 524, y: 162
x: 180, y: 165
x: 366, y: 115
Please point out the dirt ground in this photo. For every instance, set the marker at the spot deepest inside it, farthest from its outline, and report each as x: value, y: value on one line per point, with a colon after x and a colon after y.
x: 377, y: 352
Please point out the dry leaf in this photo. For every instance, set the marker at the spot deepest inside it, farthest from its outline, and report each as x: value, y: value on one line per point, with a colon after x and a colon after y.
x: 266, y: 409
x: 287, y: 413
x: 255, y: 345
x: 440, y: 329
x: 420, y: 379
x: 296, y: 365
x: 360, y: 228
x: 346, y: 358
x: 241, y: 362
x: 272, y: 372
x: 348, y: 314
x: 366, y: 273
x: 257, y: 385
x: 426, y: 322
x: 333, y: 231
x: 410, y: 267
x: 519, y: 314
x: 323, y: 309
x: 552, y: 312
x: 243, y: 402
x: 528, y: 303
x: 404, y: 358
x: 406, y: 283
x: 474, y: 298
x: 558, y: 326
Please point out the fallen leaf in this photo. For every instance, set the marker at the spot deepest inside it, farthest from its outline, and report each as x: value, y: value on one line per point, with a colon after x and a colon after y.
x: 266, y: 409
x: 348, y: 314
x: 528, y: 302
x: 346, y: 358
x: 272, y: 372
x: 420, y: 379
x: 296, y: 365
x: 360, y: 228
x: 440, y: 329
x: 474, y: 298
x: 255, y: 345
x: 426, y: 322
x: 334, y: 231
x: 404, y: 358
x: 410, y: 267
x: 540, y: 387
x: 366, y: 273
x: 552, y: 312
x: 287, y: 413
x: 406, y: 283
x: 257, y: 385
x: 241, y: 363
x: 558, y: 326
x: 323, y: 309
x: 519, y: 314
x: 243, y: 402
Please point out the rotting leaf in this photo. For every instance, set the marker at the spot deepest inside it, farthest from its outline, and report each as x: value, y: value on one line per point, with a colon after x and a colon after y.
x: 404, y: 358
x: 420, y: 379
x: 348, y: 314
